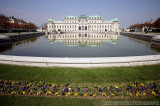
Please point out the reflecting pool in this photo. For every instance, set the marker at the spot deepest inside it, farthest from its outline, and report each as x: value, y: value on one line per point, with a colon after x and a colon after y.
x: 80, y: 45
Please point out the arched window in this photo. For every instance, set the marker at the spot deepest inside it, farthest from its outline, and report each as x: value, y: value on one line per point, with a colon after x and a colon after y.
x: 85, y: 27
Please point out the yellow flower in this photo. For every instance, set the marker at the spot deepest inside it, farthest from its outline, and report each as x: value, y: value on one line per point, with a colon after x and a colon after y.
x: 99, y: 86
x: 29, y: 84
x: 13, y: 92
x: 104, y: 94
x: 68, y: 94
x: 94, y: 95
x: 130, y: 94
x: 76, y: 94
x: 23, y: 92
x: 61, y: 85
x: 53, y: 85
x: 6, y: 81
x: 153, y: 93
x: 86, y: 94
x: 144, y: 93
x: 31, y: 92
x: 70, y: 86
x: 138, y: 94
x: 48, y: 92
x: 116, y: 86
x: 13, y: 83
x: 108, y: 87
x: 69, y: 89
x: 122, y: 95
x: 38, y: 93
x: 142, y: 85
x: 112, y: 94
x: 134, y: 85
x: 57, y: 94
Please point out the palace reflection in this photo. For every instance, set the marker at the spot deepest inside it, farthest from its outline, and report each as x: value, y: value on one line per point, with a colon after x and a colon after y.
x: 83, y: 39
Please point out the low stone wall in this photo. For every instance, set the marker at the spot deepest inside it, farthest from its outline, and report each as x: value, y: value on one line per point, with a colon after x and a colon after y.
x: 156, y: 40
x: 153, y: 39
x: 16, y: 38
x: 8, y: 40
x: 5, y: 41
x: 146, y: 37
x: 80, y: 62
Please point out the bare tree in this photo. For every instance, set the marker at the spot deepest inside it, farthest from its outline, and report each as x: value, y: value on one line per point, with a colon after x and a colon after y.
x: 31, y: 26
x: 156, y: 24
x: 4, y: 22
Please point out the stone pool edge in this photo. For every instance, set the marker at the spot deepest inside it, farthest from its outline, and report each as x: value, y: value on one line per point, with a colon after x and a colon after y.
x: 80, y: 62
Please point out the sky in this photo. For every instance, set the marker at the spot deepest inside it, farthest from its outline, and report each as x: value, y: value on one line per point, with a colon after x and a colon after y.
x: 39, y: 11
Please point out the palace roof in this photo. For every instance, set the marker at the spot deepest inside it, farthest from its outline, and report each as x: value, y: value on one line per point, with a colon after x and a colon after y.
x: 71, y: 16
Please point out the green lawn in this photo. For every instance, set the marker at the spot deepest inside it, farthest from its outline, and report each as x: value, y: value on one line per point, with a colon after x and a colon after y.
x: 74, y: 75
x: 81, y: 75
x: 47, y: 101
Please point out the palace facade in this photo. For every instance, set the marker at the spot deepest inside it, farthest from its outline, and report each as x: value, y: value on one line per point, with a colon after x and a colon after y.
x: 83, y: 23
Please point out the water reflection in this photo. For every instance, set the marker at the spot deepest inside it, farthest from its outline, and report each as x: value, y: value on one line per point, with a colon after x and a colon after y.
x: 83, y: 39
x: 84, y: 45
x: 140, y: 42
x: 18, y: 44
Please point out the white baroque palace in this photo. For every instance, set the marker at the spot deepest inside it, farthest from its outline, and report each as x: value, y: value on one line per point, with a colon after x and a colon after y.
x: 83, y: 23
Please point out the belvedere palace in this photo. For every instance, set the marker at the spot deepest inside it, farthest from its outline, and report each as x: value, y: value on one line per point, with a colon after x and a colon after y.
x: 83, y: 23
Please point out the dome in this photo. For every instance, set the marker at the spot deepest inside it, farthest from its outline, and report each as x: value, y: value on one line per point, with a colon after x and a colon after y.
x: 115, y: 20
x: 49, y: 20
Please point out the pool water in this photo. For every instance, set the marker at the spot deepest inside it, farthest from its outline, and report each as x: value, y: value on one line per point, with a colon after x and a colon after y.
x: 80, y: 45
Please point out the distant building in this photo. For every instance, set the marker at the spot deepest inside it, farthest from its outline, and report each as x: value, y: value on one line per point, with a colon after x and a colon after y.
x: 16, y: 24
x: 83, y: 23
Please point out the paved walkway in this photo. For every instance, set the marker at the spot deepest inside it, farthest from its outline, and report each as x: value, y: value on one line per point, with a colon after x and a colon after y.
x: 13, y: 34
x: 144, y: 33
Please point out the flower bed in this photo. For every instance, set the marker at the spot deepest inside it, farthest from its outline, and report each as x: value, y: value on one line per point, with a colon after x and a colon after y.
x: 132, y: 89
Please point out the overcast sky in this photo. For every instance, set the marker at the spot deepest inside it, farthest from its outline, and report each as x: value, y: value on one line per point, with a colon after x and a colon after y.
x: 39, y: 11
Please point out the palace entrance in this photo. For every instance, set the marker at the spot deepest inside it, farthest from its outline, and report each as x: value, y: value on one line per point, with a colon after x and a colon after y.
x: 82, y: 28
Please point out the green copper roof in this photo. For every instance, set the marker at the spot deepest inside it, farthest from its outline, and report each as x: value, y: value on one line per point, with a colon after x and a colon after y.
x: 58, y: 40
x: 72, y: 45
x: 53, y: 20
x: 49, y: 20
x: 71, y: 16
x: 58, y: 21
x: 112, y: 20
x: 114, y: 43
x: 95, y: 16
x: 83, y: 16
x: 108, y: 21
x: 93, y: 45
x: 51, y: 42
x: 115, y: 20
